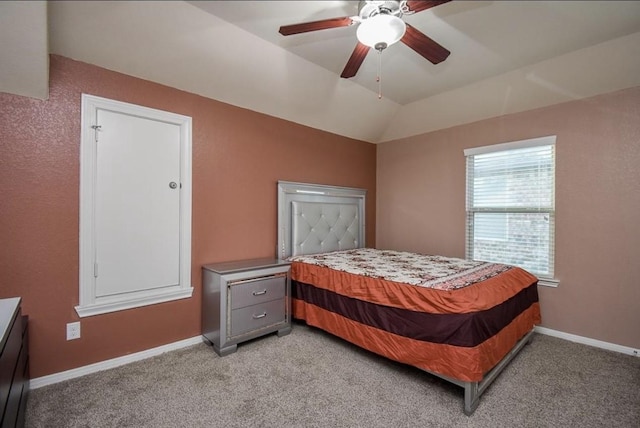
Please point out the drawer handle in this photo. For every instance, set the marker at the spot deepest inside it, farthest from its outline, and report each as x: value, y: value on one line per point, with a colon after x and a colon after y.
x: 262, y: 315
x: 259, y: 293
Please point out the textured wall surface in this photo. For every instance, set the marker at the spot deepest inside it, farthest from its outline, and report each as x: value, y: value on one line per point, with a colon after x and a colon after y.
x: 421, y: 205
x: 238, y: 157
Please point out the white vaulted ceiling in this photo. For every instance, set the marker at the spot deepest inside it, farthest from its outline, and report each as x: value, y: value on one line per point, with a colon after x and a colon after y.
x: 506, y: 56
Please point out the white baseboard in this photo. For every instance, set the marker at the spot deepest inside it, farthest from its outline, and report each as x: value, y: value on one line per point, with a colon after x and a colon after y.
x: 587, y: 341
x: 109, y: 364
x: 115, y: 362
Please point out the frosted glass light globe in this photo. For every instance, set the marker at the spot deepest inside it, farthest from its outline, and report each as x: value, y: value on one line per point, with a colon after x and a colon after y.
x: 387, y: 29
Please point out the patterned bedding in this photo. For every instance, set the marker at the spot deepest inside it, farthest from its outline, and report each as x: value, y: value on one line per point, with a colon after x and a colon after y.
x: 454, y: 317
x: 437, y: 272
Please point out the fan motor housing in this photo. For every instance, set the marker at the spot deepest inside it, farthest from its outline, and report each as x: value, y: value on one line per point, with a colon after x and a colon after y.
x: 367, y: 9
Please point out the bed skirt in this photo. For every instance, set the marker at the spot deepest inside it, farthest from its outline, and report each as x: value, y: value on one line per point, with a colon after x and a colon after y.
x: 463, y: 346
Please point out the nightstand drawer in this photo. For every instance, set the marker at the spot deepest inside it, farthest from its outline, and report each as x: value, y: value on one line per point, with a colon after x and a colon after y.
x: 258, y: 316
x: 254, y: 291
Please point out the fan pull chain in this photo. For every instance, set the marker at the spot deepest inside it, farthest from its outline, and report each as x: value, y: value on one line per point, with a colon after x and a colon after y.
x: 379, y: 76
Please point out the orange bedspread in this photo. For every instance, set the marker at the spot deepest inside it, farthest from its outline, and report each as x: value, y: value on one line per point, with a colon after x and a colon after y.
x: 461, y: 333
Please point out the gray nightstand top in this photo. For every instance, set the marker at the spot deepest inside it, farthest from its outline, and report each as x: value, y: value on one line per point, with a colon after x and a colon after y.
x: 244, y: 265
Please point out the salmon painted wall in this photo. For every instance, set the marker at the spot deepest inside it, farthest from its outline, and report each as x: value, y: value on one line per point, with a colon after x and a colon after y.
x: 421, y: 205
x: 238, y: 156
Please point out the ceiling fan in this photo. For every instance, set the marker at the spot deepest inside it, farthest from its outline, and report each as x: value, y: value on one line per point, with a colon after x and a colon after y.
x: 380, y: 25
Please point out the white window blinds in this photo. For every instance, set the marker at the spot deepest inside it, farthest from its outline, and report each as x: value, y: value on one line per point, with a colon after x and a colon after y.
x: 511, y: 204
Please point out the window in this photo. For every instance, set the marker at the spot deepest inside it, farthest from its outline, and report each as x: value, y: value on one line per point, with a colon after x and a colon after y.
x: 511, y: 205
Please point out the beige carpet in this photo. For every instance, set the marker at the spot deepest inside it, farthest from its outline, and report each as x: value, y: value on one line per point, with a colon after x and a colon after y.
x: 311, y: 379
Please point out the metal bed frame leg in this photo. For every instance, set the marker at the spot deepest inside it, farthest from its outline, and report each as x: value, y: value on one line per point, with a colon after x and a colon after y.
x: 471, y: 397
x: 473, y: 390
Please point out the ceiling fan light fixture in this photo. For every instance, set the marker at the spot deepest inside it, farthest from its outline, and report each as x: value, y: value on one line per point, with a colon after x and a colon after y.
x: 381, y: 29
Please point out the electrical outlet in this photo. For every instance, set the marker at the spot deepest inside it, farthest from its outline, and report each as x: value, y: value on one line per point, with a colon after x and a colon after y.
x: 73, y: 330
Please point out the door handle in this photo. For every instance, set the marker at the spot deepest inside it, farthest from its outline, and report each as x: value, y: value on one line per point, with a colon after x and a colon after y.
x: 173, y: 185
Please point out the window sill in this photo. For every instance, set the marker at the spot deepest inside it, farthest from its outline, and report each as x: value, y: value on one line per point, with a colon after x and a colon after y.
x: 549, y: 282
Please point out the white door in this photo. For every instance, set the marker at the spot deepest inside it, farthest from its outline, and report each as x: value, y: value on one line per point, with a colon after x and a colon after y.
x: 137, y: 204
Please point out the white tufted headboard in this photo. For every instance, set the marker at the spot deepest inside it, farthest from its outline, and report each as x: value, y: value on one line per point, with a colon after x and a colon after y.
x: 314, y: 218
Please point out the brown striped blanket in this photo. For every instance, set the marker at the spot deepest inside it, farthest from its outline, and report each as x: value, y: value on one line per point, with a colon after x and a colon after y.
x: 450, y: 316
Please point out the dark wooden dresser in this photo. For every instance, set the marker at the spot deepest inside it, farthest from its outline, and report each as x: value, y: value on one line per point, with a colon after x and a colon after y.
x: 14, y: 363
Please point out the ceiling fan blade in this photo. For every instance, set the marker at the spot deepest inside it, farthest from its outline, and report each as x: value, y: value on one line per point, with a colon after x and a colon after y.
x: 355, y: 61
x: 419, y: 6
x: 287, y: 30
x: 425, y: 46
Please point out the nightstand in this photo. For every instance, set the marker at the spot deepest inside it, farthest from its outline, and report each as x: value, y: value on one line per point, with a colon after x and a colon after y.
x: 245, y: 299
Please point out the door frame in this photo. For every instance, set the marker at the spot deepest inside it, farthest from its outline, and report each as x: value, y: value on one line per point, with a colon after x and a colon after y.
x: 89, y: 303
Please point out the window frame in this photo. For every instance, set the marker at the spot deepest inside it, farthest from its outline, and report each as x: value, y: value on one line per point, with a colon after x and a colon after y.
x: 547, y: 280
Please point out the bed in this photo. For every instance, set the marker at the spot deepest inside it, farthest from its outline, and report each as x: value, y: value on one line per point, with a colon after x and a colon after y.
x: 461, y: 320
